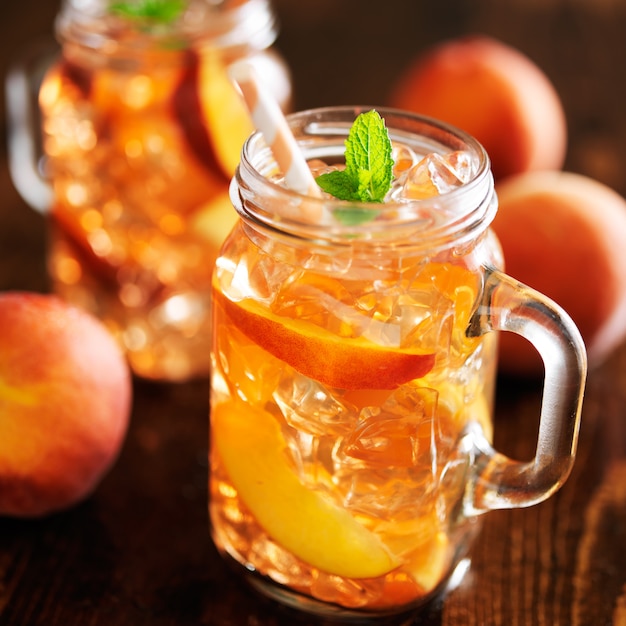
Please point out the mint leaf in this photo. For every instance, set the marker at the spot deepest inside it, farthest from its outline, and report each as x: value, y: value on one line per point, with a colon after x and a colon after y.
x: 368, y: 155
x: 369, y: 166
x: 339, y: 184
x: 163, y: 11
x: 354, y: 216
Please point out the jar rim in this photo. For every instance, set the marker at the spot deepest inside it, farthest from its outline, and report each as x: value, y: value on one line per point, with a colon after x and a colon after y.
x: 463, y: 212
x: 219, y: 23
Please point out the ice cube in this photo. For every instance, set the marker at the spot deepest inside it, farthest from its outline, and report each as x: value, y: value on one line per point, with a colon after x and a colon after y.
x: 462, y: 164
x: 435, y: 175
x: 403, y: 160
x: 313, y: 419
x: 385, y: 440
x: 391, y: 464
x: 347, y: 592
x: 308, y: 407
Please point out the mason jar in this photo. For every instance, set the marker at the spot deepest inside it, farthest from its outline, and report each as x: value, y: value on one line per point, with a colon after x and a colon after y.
x: 353, y: 374
x: 141, y: 133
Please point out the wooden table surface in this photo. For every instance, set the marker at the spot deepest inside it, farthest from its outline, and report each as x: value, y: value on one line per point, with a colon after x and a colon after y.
x: 138, y: 551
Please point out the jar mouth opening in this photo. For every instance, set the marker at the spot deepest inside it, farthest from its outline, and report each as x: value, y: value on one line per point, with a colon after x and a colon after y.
x: 321, y: 134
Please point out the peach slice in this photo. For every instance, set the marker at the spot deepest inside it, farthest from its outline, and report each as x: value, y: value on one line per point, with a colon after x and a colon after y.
x: 428, y: 564
x: 426, y: 553
x: 253, y: 451
x: 187, y: 111
x: 342, y: 362
x: 225, y: 115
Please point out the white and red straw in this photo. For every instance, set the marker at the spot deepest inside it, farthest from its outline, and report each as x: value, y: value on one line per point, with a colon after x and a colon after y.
x: 268, y: 117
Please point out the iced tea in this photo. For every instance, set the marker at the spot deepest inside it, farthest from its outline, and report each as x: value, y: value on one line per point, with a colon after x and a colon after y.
x: 343, y: 383
x: 142, y: 132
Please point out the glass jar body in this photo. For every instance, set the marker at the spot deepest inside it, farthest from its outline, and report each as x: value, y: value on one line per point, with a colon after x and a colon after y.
x: 141, y: 134
x: 344, y: 384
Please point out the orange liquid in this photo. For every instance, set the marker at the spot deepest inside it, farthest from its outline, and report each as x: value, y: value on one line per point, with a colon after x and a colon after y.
x: 387, y: 457
x: 141, y: 197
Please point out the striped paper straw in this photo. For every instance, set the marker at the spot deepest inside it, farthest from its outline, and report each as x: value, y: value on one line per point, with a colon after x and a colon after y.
x: 269, y: 119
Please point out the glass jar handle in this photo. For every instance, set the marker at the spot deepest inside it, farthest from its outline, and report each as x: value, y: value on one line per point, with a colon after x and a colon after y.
x: 23, y: 129
x: 503, y: 483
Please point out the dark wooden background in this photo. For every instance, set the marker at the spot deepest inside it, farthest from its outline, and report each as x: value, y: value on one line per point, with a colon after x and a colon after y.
x: 138, y: 551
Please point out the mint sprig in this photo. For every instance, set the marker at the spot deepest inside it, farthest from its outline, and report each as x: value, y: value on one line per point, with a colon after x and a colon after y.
x: 369, y: 167
x: 162, y: 11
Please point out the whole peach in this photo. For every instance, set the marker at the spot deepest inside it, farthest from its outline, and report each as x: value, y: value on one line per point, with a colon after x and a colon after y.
x: 564, y: 234
x: 493, y: 92
x: 65, y: 399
